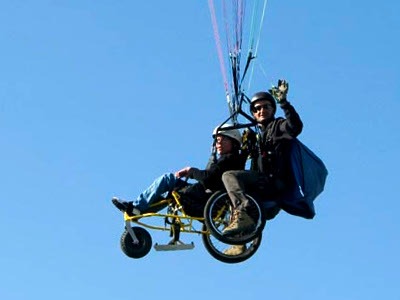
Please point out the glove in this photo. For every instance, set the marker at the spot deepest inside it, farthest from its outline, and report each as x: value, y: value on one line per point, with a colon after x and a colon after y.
x: 249, y: 142
x: 280, y: 92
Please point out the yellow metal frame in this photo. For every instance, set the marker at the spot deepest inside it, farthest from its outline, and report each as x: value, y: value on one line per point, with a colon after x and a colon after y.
x: 179, y: 217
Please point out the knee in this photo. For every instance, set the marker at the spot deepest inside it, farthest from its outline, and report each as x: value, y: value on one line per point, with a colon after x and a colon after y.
x: 226, y: 175
x: 169, y: 177
x: 229, y: 175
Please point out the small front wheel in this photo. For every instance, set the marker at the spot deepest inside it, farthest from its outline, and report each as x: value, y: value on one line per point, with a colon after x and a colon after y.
x: 218, y: 214
x: 136, y: 250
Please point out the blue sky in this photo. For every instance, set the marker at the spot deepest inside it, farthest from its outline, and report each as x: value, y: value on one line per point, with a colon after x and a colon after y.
x: 97, y: 98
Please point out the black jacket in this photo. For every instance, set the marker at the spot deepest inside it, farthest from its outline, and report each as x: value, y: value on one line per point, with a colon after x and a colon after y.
x: 275, y: 142
x: 195, y: 196
x: 210, y: 178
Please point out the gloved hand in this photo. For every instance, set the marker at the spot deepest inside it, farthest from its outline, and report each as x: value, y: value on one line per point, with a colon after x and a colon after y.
x: 249, y: 142
x: 280, y: 92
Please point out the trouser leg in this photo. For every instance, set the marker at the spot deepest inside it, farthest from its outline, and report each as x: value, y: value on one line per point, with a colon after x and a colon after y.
x: 158, y: 189
x: 236, y: 183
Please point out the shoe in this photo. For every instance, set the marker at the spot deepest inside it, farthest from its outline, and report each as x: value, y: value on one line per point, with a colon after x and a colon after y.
x: 235, y: 250
x: 241, y: 221
x: 121, y: 205
x: 125, y: 206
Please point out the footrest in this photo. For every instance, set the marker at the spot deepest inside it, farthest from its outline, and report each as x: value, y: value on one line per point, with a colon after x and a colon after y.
x: 174, y: 246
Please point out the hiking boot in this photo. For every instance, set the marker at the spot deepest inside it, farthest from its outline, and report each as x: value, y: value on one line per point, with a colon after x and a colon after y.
x: 241, y: 221
x: 125, y: 206
x: 235, y: 250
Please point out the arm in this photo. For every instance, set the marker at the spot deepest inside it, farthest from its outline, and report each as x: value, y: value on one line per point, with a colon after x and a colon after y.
x: 195, y: 173
x: 211, y: 178
x: 214, y: 169
x: 292, y: 124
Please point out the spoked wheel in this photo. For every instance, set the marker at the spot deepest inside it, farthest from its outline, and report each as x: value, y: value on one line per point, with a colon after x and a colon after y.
x: 218, y: 214
x: 218, y: 249
x: 136, y: 250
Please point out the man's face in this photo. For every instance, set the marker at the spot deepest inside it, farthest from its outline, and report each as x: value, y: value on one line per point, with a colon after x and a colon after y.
x: 223, y: 144
x: 263, y: 111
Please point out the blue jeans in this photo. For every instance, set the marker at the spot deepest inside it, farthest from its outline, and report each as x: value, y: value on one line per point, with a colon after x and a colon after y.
x: 158, y: 190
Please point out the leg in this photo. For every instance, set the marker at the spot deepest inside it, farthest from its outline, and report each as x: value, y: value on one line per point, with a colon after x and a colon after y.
x: 157, y: 190
x: 235, y: 183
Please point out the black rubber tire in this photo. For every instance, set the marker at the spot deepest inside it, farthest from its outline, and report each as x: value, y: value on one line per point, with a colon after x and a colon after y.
x: 216, y: 248
x: 136, y: 250
x: 217, y: 214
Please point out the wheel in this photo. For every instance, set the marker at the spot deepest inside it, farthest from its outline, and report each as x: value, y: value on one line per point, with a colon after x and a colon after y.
x: 216, y: 248
x: 136, y: 250
x: 218, y: 213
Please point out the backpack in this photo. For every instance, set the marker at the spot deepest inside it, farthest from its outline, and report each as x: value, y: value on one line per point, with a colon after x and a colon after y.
x: 310, y: 175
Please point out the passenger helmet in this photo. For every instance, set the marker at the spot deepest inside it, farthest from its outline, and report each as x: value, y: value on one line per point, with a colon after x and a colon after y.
x: 231, y: 133
x: 262, y: 96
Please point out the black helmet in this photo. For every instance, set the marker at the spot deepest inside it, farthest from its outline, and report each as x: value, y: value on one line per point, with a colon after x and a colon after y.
x: 262, y: 96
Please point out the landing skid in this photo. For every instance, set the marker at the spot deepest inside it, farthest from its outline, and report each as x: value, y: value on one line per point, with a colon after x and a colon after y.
x: 172, y: 246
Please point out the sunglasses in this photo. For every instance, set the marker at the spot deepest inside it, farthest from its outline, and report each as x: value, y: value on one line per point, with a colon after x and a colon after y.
x: 257, y: 108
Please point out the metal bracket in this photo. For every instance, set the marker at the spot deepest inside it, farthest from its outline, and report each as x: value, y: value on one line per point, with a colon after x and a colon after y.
x: 131, y: 232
